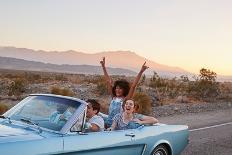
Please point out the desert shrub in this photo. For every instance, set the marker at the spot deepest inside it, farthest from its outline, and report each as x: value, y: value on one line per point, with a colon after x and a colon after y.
x: 32, y: 77
x: 225, y: 91
x: 141, y: 83
x: 93, y: 79
x: 184, y: 78
x: 61, y: 91
x: 159, y: 85
x: 144, y: 103
x: 61, y: 77
x: 13, y: 75
x: 166, y: 88
x: 104, y: 102
x: 3, y: 108
x: 184, y: 84
x: 142, y: 80
x: 207, y: 75
x: 156, y: 81
x: 17, y: 87
x: 76, y: 78
x: 45, y: 79
x: 102, y: 88
x: 101, y: 85
x: 205, y: 86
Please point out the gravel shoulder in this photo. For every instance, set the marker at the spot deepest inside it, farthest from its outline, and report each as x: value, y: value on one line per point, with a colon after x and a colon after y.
x: 198, y: 116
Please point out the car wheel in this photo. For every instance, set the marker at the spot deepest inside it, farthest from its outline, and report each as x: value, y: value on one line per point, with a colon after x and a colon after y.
x: 160, y: 150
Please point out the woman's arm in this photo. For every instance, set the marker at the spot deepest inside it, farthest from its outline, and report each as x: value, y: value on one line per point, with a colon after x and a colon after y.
x: 135, y: 82
x: 107, y: 77
x: 146, y: 120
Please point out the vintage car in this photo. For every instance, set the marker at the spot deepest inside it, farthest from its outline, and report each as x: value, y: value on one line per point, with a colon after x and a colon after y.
x: 32, y: 127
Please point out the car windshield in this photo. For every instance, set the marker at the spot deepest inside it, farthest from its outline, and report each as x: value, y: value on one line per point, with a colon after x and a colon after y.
x: 49, y: 112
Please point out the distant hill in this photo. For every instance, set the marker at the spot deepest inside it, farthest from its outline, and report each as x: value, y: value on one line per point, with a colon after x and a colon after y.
x: 119, y: 62
x: 20, y: 64
x: 115, y: 59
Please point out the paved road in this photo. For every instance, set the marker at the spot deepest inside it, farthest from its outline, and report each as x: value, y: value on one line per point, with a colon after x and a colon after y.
x: 205, y: 137
x: 210, y: 141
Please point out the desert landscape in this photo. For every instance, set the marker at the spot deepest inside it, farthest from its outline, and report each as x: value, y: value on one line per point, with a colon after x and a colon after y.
x: 183, y: 49
x: 156, y: 95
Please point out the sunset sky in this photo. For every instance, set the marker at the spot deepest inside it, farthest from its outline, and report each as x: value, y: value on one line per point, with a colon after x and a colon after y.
x: 185, y: 33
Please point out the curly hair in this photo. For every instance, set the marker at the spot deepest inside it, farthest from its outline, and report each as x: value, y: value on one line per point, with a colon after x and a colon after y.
x: 123, y: 84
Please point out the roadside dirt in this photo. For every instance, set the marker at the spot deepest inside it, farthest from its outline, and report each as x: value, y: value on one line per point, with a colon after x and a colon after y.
x: 202, y: 119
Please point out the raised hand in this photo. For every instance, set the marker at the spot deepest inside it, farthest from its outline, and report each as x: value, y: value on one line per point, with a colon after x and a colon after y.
x: 144, y: 67
x: 107, y: 77
x: 102, y: 62
x: 135, y: 82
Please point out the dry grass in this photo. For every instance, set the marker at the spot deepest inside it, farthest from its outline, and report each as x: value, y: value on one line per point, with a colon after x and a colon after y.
x: 104, y: 102
x: 167, y: 91
x: 143, y: 102
x: 3, y: 108
x: 61, y: 91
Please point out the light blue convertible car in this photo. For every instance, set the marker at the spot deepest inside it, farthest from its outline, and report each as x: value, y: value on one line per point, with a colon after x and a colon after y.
x: 53, y: 124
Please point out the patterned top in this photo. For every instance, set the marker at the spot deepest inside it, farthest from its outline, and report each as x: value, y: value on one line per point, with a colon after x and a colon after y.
x: 121, y: 125
x: 115, y: 108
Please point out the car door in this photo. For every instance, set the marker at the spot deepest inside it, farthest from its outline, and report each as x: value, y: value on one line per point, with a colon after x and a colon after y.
x: 147, y: 136
x: 99, y: 143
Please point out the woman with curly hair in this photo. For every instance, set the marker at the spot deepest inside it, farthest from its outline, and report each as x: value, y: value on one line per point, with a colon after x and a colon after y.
x: 119, y: 91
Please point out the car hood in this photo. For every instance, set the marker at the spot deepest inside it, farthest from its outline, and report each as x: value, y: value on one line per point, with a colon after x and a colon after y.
x: 9, y: 133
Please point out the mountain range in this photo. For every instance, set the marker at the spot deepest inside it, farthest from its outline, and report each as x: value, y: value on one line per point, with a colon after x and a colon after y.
x: 120, y: 62
x: 20, y: 64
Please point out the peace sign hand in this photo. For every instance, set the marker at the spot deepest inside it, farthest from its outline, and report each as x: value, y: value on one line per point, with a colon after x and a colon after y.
x: 144, y: 67
x: 102, y: 62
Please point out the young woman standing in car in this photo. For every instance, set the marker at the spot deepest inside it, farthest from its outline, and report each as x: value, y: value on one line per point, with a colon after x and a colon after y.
x: 119, y: 91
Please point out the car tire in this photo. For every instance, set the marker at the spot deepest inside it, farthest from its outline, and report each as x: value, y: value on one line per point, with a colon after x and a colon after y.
x: 160, y: 150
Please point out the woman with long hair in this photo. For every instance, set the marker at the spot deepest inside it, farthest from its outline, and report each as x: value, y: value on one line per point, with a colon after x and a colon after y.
x: 120, y: 90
